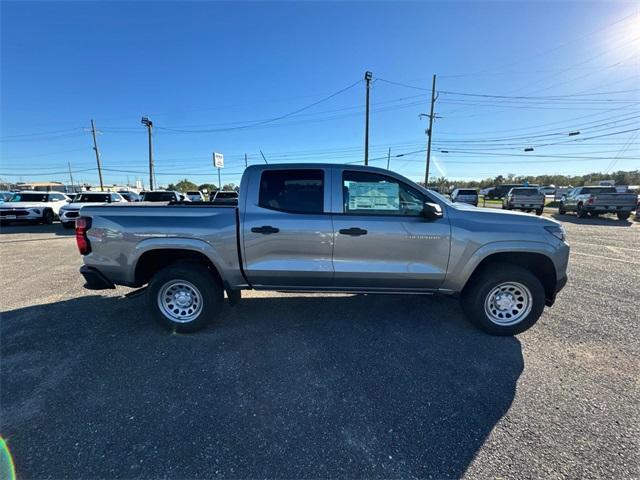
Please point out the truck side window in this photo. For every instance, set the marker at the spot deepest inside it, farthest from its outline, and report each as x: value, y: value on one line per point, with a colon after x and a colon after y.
x: 295, y: 191
x: 374, y: 194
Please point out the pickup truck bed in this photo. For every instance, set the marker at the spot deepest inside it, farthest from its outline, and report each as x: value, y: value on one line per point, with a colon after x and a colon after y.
x: 326, y: 227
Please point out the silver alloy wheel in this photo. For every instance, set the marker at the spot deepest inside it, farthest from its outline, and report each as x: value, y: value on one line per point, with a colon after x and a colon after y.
x: 180, y: 301
x: 508, y: 303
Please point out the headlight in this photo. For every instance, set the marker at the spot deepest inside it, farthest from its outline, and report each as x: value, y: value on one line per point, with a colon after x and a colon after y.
x: 557, y: 231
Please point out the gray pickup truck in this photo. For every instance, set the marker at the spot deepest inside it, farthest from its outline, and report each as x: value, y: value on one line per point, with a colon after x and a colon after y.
x: 326, y: 228
x: 524, y: 198
x: 597, y: 200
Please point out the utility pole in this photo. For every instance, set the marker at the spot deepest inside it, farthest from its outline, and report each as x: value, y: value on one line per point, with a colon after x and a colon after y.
x: 245, y: 161
x: 149, y: 124
x: 367, y: 76
x: 95, y: 147
x: 430, y: 131
x: 71, y: 177
x: 388, y: 158
x: 264, y: 158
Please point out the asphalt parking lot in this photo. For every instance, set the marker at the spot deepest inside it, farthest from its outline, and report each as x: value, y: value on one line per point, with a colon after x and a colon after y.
x: 311, y: 386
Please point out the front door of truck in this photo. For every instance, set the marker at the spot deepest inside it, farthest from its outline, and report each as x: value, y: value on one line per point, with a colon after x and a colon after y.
x: 382, y: 241
x: 287, y: 236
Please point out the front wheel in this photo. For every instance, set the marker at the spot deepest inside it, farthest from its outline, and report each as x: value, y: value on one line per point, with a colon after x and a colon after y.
x: 539, y: 211
x: 47, y: 217
x: 504, y: 300
x: 184, y: 298
x: 561, y: 210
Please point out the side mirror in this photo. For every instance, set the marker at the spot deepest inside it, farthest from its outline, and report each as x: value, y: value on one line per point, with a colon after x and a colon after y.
x: 431, y: 211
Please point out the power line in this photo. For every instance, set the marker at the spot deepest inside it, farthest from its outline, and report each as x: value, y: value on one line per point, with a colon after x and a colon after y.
x: 270, y: 120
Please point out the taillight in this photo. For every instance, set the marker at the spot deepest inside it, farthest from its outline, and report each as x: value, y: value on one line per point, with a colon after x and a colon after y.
x: 590, y: 201
x: 82, y: 225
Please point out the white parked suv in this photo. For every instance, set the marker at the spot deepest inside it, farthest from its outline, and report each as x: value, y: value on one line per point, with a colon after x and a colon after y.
x: 32, y: 206
x: 71, y: 211
x: 195, y: 196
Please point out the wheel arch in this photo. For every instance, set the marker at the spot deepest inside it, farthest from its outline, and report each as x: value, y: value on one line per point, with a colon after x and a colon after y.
x: 153, y: 256
x: 537, y: 263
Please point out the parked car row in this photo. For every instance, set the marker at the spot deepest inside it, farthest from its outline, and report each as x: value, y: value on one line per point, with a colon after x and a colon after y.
x: 45, y: 207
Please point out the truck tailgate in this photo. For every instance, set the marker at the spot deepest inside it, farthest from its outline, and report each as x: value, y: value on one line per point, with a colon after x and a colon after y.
x: 614, y: 200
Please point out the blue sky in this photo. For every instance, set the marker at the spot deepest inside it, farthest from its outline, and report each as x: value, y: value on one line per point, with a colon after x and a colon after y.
x: 200, y: 70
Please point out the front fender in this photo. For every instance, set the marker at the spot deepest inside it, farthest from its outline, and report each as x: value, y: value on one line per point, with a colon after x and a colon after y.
x: 466, y: 264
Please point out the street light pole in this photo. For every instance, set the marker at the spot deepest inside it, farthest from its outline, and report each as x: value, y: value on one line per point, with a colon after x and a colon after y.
x: 149, y: 124
x: 367, y: 76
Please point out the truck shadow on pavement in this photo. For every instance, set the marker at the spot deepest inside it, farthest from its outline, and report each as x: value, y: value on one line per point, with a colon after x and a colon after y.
x: 287, y: 386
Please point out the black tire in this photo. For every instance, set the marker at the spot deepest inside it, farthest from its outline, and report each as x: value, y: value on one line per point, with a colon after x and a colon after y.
x: 199, y: 283
x: 47, y: 217
x: 561, y: 210
x: 481, y: 286
x: 68, y: 224
x: 623, y: 215
x: 594, y: 214
x: 580, y: 211
x: 4, y: 223
x: 539, y: 211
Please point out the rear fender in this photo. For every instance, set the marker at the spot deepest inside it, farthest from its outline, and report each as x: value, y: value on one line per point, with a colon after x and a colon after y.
x: 177, y: 243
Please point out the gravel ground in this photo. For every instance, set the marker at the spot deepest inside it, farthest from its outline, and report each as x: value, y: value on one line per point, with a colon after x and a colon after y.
x: 310, y: 386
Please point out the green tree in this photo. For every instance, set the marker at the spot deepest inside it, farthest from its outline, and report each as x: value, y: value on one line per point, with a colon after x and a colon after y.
x: 183, y: 185
x: 209, y: 187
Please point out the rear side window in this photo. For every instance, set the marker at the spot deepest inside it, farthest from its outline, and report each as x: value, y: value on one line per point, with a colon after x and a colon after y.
x: 295, y: 191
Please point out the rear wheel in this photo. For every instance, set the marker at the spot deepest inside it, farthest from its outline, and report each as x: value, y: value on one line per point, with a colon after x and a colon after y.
x: 184, y: 298
x: 580, y: 211
x: 68, y: 224
x: 539, y: 211
x: 504, y: 300
x: 623, y: 215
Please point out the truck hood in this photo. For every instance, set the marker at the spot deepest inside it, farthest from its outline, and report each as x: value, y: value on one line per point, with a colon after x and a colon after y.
x: 495, y: 215
x: 12, y: 205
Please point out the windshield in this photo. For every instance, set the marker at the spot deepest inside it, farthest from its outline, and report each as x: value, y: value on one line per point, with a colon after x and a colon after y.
x: 226, y: 195
x: 197, y: 194
x: 29, y: 197
x: 158, y: 196
x: 441, y: 198
x: 92, y: 197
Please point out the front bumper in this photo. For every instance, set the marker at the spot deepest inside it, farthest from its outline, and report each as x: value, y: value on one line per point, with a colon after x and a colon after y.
x: 95, y: 280
x: 25, y: 215
x: 69, y: 216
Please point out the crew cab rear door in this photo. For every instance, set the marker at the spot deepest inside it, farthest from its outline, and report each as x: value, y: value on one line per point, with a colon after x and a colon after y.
x: 382, y: 240
x: 287, y: 232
